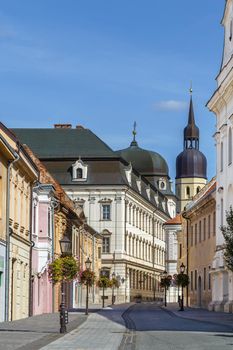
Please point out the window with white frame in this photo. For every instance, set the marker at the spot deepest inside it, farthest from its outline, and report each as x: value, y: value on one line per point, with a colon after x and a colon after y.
x: 106, y: 245
x: 106, y: 211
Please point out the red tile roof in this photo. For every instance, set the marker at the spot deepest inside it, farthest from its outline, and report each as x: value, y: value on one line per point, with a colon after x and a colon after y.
x: 174, y: 221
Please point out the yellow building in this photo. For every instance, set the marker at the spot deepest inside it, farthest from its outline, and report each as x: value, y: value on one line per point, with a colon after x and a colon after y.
x: 196, y: 244
x: 7, y: 156
x: 22, y: 174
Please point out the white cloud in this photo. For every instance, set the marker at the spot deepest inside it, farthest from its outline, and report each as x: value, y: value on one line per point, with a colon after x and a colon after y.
x: 170, y: 105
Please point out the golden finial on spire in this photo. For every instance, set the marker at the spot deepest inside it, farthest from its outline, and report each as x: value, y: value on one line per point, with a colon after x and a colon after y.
x: 134, y: 130
x: 191, y: 88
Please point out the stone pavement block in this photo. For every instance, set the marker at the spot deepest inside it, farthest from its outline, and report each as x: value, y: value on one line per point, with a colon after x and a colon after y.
x: 101, y: 331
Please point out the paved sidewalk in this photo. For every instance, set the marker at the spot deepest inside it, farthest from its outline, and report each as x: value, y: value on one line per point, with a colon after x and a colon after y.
x: 35, y: 332
x: 203, y: 315
x: 101, y: 331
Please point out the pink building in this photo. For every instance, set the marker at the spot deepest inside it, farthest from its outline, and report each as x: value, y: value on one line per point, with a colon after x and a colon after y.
x: 44, y: 203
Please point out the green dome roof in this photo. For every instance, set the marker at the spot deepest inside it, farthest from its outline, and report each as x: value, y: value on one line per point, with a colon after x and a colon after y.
x: 144, y: 161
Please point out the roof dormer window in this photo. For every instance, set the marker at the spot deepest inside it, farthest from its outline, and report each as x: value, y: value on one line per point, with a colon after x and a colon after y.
x: 162, y: 184
x: 79, y: 171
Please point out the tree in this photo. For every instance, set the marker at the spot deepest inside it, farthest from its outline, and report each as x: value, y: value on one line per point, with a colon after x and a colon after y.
x: 64, y: 268
x: 227, y: 232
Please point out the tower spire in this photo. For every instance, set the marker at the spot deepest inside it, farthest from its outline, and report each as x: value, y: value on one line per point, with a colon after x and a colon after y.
x: 134, y: 132
x: 191, y: 132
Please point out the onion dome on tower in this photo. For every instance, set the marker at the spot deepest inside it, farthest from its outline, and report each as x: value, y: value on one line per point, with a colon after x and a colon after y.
x: 148, y: 163
x: 190, y: 164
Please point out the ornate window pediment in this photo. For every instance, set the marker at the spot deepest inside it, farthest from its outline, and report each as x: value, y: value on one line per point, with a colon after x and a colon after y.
x: 79, y: 171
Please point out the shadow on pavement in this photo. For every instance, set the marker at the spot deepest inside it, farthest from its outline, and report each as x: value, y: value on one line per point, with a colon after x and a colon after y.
x: 151, y: 317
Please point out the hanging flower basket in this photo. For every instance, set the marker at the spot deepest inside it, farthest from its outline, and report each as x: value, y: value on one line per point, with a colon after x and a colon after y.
x: 87, y: 277
x: 65, y: 268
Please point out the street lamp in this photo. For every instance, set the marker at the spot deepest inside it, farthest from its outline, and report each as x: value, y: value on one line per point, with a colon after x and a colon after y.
x: 65, y: 245
x: 182, y: 269
x: 88, y: 267
x: 113, y: 296
x: 164, y: 276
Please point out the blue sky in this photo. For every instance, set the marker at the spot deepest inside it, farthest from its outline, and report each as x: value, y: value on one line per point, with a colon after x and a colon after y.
x: 105, y: 63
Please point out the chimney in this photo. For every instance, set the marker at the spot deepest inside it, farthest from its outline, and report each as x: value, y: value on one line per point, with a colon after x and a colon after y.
x: 62, y: 126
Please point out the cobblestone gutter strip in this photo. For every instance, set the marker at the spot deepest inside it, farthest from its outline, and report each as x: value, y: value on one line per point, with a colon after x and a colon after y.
x: 129, y: 338
x: 175, y: 314
x: 39, y: 343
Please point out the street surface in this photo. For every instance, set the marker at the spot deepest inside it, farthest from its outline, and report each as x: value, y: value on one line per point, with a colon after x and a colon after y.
x: 144, y: 326
x: 151, y: 327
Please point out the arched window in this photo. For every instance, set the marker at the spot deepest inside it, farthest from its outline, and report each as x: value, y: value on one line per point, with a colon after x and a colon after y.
x: 188, y: 191
x: 198, y: 189
x: 79, y: 173
x: 229, y: 147
x: 221, y: 156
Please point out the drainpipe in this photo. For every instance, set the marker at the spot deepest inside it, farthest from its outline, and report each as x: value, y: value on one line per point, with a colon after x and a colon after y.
x: 7, y: 277
x: 54, y: 205
x: 30, y: 299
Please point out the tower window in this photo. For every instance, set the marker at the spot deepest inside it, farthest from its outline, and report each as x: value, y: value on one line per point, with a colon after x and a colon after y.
x: 198, y: 189
x: 188, y: 192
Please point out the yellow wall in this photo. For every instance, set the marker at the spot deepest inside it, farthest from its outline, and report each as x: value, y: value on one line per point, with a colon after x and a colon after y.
x: 181, y: 190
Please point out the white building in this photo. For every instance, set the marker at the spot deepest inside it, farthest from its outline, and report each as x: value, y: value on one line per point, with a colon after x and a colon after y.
x: 221, y: 103
x: 126, y: 196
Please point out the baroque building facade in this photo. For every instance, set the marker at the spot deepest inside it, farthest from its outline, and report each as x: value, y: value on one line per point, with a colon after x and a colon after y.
x: 125, y: 203
x: 7, y: 156
x: 221, y: 104
x: 22, y: 175
x: 55, y: 215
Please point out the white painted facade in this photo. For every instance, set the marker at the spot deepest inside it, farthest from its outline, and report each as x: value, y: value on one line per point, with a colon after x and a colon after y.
x: 134, y: 231
x: 171, y: 231
x: 221, y: 103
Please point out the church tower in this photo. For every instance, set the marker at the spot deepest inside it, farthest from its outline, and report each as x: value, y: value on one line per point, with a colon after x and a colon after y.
x: 190, y: 164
